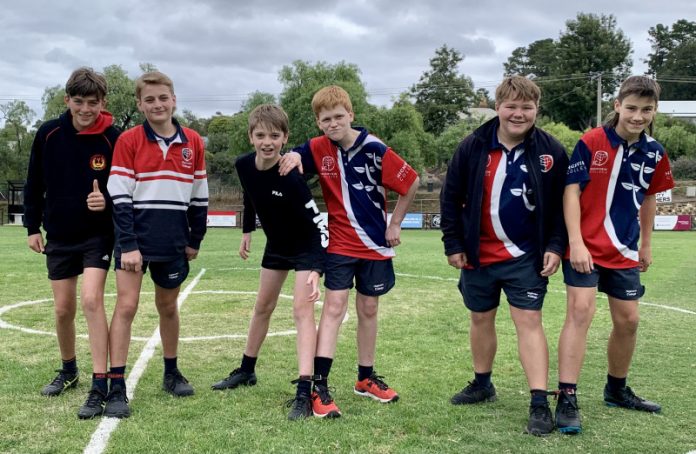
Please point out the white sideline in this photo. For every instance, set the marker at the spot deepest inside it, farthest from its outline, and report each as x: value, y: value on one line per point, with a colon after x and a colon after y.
x: 100, y: 437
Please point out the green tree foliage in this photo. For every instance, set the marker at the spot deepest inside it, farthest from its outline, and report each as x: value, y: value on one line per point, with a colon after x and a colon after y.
x: 53, y: 102
x: 677, y: 136
x: 256, y: 99
x: 538, y: 59
x: 189, y: 119
x: 15, y: 140
x: 442, y: 93
x: 447, y: 142
x: 673, y: 59
x: 121, y: 98
x: 563, y: 134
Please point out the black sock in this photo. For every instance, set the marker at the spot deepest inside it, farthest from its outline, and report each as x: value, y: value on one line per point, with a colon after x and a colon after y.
x: 304, y: 385
x: 169, y: 365
x: 364, y: 372
x: 539, y: 397
x: 117, y: 376
x: 615, y: 383
x: 322, y: 367
x: 70, y: 365
x: 100, y: 382
x: 248, y: 364
x: 569, y: 388
x: 483, y: 379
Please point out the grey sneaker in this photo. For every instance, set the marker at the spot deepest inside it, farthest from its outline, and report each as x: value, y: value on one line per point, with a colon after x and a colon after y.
x: 176, y: 384
x: 236, y: 378
x: 540, y: 420
x: 117, y: 403
x: 626, y: 398
x: 474, y: 393
x: 568, y: 413
x: 64, y: 380
x: 93, y: 406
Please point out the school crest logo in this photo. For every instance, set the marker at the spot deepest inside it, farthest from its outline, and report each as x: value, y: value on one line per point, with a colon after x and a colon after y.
x: 328, y: 164
x: 97, y: 162
x: 546, y: 161
x: 187, y: 154
x: 600, y: 158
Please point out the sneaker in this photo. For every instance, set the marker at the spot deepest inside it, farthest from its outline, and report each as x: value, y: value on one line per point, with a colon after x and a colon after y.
x: 237, y: 377
x: 568, y: 413
x: 374, y: 387
x: 63, y: 381
x: 540, y: 420
x: 117, y: 403
x: 176, y: 384
x: 474, y: 393
x: 323, y: 405
x: 93, y: 406
x: 300, y: 407
x: 626, y: 398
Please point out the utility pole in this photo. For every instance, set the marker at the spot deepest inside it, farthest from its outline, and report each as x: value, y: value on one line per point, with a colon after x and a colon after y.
x: 599, y: 99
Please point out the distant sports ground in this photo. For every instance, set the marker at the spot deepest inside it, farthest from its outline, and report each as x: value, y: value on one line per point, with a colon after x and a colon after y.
x: 422, y: 350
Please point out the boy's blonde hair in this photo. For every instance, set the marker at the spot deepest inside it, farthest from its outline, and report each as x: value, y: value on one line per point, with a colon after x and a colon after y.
x: 85, y: 81
x: 517, y: 87
x: 271, y: 116
x: 152, y: 78
x: 330, y: 97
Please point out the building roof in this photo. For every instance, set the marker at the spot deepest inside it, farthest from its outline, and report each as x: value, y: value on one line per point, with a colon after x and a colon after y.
x: 677, y: 108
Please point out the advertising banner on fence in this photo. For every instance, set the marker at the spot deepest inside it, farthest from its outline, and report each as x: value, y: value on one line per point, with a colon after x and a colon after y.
x: 675, y: 222
x: 222, y: 218
x: 411, y: 221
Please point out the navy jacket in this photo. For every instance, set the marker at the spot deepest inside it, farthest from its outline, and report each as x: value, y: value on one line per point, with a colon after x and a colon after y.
x: 461, y: 196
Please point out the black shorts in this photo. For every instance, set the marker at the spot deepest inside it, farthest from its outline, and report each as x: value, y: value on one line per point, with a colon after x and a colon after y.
x: 623, y: 284
x: 167, y: 275
x: 299, y: 262
x: 519, y: 278
x: 372, y: 277
x: 69, y: 259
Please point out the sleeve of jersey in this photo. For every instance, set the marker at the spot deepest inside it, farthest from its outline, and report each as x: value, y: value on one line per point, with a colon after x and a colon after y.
x: 662, y: 180
x: 121, y: 186
x: 452, y: 204
x: 305, y: 151
x: 397, y: 175
x: 197, y: 212
x: 579, y: 165
x: 34, y: 188
x: 249, y: 217
x: 320, y: 237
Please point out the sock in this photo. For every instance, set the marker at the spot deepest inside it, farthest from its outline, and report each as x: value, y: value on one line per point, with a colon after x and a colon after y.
x: 117, y: 376
x: 322, y: 367
x: 570, y: 388
x: 100, y: 382
x: 169, y: 365
x: 615, y: 383
x: 248, y: 364
x: 304, y: 385
x: 70, y: 365
x: 483, y: 379
x: 539, y: 397
x: 364, y: 372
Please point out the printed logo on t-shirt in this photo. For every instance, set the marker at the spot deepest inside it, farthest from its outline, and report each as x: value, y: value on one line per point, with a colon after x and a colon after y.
x: 328, y: 164
x: 546, y: 161
x: 187, y: 154
x: 97, y: 162
x: 600, y: 158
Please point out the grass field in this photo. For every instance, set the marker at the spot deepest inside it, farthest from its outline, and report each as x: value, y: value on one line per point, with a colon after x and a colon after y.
x: 422, y: 351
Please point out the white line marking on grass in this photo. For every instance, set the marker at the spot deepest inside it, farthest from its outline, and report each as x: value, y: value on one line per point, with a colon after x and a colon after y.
x: 100, y: 437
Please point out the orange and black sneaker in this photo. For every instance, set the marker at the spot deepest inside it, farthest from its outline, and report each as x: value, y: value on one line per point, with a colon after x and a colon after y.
x: 323, y: 405
x: 374, y: 387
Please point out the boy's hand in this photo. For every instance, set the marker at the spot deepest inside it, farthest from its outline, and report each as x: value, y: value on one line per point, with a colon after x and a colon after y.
x: 458, y: 260
x: 132, y: 261
x: 191, y: 253
x: 95, y: 199
x: 645, y: 258
x: 393, y: 235
x: 551, y: 263
x: 581, y: 259
x: 35, y: 242
x: 289, y: 161
x: 313, y: 283
x: 245, y: 246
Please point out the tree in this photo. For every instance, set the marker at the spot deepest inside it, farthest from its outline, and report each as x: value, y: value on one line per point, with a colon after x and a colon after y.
x: 563, y: 134
x: 537, y: 59
x: 676, y: 135
x: 15, y: 139
x: 53, y: 102
x: 447, y: 142
x: 121, y: 98
x: 673, y: 59
x: 442, y: 93
x: 256, y: 99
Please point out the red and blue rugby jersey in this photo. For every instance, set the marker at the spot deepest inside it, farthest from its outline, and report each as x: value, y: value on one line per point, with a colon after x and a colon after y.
x: 354, y: 184
x: 614, y: 179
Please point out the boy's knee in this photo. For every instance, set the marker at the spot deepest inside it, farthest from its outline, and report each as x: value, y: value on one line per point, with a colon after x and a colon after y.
x: 628, y: 324
x: 92, y: 303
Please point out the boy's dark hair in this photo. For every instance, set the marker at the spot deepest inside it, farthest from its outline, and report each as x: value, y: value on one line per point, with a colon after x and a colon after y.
x: 152, y: 78
x: 641, y: 86
x: 517, y: 87
x: 85, y: 81
x: 271, y: 116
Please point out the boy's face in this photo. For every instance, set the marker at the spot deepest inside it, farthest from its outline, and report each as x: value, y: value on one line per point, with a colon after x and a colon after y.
x: 635, y: 114
x: 157, y: 103
x: 267, y: 141
x: 84, y: 110
x: 517, y: 117
x: 335, y: 122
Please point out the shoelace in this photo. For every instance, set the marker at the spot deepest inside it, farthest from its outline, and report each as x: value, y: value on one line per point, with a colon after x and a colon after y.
x: 178, y: 377
x: 117, y: 394
x: 541, y: 410
x: 324, y: 395
x: 377, y: 380
x: 95, y: 398
x: 630, y: 396
x: 570, y: 404
x: 61, y: 377
x: 299, y: 399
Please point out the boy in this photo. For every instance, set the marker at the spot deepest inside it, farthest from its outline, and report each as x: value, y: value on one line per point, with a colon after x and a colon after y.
x: 502, y: 225
x: 355, y: 169
x: 68, y: 169
x: 614, y: 174
x: 159, y: 190
x: 295, y: 239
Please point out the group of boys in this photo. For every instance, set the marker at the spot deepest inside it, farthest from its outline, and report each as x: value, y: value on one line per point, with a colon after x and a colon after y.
x: 503, y: 225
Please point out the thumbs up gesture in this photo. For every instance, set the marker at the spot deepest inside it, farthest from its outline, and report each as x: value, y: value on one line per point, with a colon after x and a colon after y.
x: 95, y: 199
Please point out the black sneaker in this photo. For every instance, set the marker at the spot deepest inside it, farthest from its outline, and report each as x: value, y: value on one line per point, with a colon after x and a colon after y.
x: 300, y: 407
x: 63, y: 381
x: 568, y: 413
x: 540, y: 420
x: 626, y: 398
x: 93, y: 406
x: 117, y: 403
x: 237, y: 377
x: 474, y: 393
x: 176, y: 384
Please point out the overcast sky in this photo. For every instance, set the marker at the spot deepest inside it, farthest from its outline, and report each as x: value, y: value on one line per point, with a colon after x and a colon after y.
x: 217, y: 51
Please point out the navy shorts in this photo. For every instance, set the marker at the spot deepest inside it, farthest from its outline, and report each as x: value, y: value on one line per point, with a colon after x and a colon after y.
x: 69, y: 259
x: 167, y: 275
x: 300, y: 262
x: 519, y: 278
x: 623, y: 284
x: 372, y: 277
